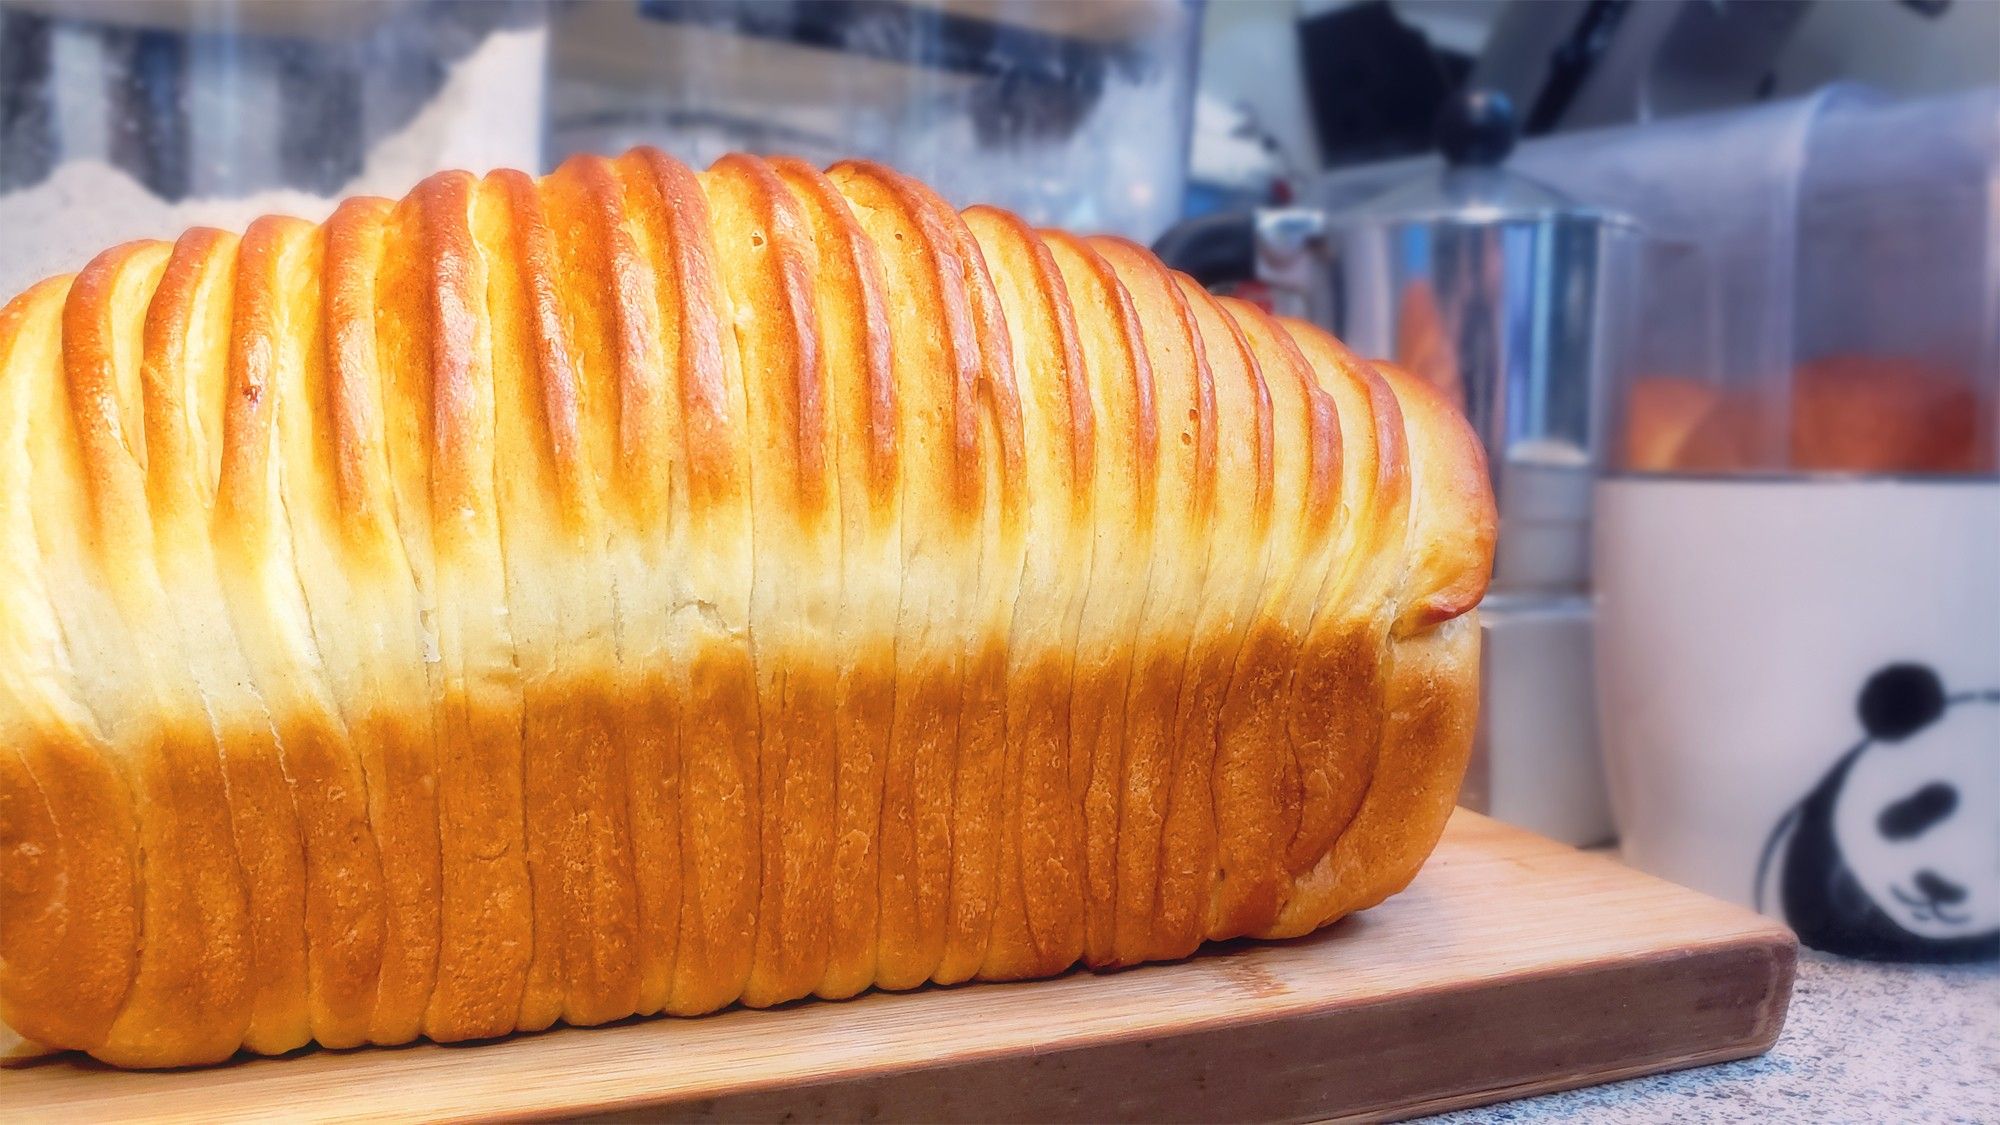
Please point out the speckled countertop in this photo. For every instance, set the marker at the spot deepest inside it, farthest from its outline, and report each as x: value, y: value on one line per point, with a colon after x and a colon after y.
x: 1863, y: 1043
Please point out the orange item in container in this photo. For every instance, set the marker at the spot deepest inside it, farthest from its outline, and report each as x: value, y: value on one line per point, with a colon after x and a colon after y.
x: 1848, y: 413
x: 1885, y: 414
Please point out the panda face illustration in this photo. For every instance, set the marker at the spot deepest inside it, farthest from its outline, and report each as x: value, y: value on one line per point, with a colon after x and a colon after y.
x: 1919, y: 813
x: 1895, y: 853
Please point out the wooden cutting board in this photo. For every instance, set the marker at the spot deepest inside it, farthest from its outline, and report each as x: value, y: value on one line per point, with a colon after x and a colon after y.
x: 1513, y: 966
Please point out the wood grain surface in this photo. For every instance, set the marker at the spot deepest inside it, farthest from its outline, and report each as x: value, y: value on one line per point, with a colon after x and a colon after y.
x: 1513, y: 966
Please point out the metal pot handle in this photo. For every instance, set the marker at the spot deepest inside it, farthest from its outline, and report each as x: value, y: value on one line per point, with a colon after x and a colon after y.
x: 1275, y: 245
x: 1217, y: 249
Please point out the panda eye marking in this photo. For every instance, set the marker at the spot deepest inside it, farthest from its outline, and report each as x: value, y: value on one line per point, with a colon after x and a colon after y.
x: 1900, y: 700
x: 1916, y: 813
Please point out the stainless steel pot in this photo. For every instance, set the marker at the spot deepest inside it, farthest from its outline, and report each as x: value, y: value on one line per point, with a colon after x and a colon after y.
x: 1504, y: 293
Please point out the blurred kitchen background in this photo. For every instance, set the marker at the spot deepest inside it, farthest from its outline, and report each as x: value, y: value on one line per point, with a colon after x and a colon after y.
x: 1723, y: 276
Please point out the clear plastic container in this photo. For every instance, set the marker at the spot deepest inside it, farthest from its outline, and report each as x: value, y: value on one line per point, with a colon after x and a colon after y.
x: 1075, y: 115
x: 126, y: 119
x: 1824, y: 291
x: 1836, y: 308
x: 1804, y: 516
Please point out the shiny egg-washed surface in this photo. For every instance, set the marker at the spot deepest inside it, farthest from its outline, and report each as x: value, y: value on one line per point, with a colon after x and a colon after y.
x: 641, y: 590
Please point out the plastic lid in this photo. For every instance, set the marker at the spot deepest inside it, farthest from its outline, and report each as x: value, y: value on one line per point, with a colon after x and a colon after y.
x: 1475, y: 132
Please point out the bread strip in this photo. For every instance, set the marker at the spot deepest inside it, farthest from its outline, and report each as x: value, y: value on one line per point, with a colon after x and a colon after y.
x: 1335, y: 693
x: 276, y: 326
x: 196, y: 957
x: 1125, y: 461
x: 614, y: 285
x: 1430, y: 698
x: 1267, y: 783
x: 980, y: 806
x: 353, y: 558
x: 68, y: 835
x: 769, y: 265
x: 1224, y: 727
x: 852, y: 304
x: 711, y: 555
x: 437, y: 391
x: 563, y: 621
x: 185, y: 379
x: 933, y: 356
x: 1037, y: 929
x: 191, y: 946
x: 1183, y: 493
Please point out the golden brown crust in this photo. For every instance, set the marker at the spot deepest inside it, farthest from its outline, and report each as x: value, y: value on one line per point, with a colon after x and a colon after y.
x: 934, y: 371
x: 1124, y: 461
x: 183, y: 811
x: 1266, y: 797
x: 644, y: 590
x: 1453, y: 522
x: 545, y: 353
x: 769, y: 261
x: 69, y: 834
x: 853, y: 331
x: 1227, y: 755
x: 1424, y: 691
x: 708, y: 549
x: 1185, y: 401
x: 1036, y: 928
x: 1336, y: 689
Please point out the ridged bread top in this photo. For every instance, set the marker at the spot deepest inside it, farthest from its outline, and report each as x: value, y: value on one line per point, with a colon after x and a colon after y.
x: 860, y: 561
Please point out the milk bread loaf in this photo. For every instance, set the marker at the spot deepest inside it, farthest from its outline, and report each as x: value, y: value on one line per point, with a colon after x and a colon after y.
x: 644, y: 590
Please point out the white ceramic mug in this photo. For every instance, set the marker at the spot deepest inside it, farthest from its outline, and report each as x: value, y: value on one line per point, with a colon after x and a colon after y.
x: 1799, y: 692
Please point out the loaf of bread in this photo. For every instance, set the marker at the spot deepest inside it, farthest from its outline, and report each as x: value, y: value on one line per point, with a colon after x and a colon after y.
x: 641, y: 590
